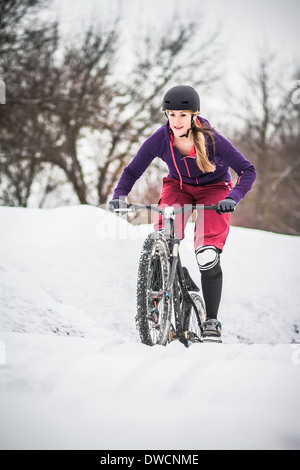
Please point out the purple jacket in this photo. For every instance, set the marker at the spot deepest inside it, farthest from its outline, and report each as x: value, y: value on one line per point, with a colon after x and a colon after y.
x: 185, y: 169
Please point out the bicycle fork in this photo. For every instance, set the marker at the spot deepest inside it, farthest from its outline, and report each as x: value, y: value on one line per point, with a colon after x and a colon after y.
x: 174, y: 254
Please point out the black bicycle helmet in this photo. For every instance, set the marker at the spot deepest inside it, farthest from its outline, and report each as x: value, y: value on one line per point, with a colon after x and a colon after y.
x: 181, y: 97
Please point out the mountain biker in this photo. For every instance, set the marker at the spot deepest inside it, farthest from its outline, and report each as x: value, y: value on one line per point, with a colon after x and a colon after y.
x: 198, y: 159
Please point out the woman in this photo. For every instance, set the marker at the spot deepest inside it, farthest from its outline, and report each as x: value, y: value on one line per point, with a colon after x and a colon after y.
x: 198, y: 159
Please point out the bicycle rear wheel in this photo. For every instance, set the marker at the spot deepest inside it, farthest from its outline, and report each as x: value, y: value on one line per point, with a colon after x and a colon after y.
x: 153, y: 308
x: 195, y: 317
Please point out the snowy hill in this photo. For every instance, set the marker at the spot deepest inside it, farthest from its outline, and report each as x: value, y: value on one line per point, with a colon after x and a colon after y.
x: 74, y: 374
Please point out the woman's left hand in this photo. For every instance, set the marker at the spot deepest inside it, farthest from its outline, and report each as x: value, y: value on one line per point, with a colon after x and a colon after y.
x: 227, y: 205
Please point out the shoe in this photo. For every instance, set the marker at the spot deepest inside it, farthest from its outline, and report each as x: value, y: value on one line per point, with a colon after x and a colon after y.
x: 212, y: 331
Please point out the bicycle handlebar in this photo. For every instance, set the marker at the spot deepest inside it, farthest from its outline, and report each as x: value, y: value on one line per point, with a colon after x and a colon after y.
x: 180, y: 210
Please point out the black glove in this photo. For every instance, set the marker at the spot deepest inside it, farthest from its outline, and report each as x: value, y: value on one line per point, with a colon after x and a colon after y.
x: 227, y: 205
x: 117, y: 204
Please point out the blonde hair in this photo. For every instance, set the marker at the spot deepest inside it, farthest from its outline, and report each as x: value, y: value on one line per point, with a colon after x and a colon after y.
x: 199, y: 132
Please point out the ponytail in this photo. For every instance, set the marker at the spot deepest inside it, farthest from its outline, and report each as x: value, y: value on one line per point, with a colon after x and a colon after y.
x: 199, y: 133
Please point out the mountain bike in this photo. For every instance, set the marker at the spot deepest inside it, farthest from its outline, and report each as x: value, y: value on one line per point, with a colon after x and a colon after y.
x: 169, y: 306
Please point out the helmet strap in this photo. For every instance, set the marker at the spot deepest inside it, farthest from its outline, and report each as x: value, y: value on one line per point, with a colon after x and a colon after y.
x: 188, y: 131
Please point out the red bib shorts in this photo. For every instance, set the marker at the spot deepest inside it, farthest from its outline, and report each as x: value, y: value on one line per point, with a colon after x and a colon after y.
x: 210, y: 228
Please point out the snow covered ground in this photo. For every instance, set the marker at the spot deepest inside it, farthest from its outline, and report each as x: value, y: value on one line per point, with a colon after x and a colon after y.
x: 73, y: 374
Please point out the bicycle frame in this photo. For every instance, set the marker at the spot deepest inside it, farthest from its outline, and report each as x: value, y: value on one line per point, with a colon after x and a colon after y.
x: 185, y: 282
x: 177, y: 270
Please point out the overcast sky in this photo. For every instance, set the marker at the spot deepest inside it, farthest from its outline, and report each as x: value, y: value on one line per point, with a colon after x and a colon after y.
x: 246, y: 25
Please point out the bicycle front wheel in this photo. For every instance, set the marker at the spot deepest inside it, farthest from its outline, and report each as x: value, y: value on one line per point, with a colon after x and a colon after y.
x: 153, y: 307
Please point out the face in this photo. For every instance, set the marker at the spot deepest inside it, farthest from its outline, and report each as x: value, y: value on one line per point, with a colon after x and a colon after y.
x: 180, y: 122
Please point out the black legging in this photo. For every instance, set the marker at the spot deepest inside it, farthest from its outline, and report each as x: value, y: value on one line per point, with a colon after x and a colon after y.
x: 212, y: 281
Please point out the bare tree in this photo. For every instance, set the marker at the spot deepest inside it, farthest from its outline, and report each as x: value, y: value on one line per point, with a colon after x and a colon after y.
x: 16, y: 16
x: 270, y: 139
x: 72, y: 96
x: 163, y: 56
x: 22, y: 47
x: 286, y: 183
x: 48, y: 109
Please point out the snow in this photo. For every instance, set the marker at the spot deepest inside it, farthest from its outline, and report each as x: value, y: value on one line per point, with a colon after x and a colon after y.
x: 74, y: 375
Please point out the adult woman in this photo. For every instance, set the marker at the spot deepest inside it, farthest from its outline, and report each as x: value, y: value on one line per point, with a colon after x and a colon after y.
x: 198, y: 159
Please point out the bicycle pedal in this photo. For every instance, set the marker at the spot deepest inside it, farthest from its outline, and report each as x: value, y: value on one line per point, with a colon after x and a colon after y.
x: 188, y: 337
x: 192, y: 337
x: 172, y: 335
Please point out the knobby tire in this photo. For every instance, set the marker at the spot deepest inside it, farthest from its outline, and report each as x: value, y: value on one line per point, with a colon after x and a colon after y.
x: 195, y: 315
x: 153, y: 309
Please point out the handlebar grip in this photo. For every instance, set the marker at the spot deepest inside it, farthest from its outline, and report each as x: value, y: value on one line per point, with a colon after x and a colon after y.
x: 212, y: 207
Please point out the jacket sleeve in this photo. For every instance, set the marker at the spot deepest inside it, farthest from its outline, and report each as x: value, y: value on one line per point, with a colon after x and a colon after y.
x: 227, y: 154
x: 132, y: 172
